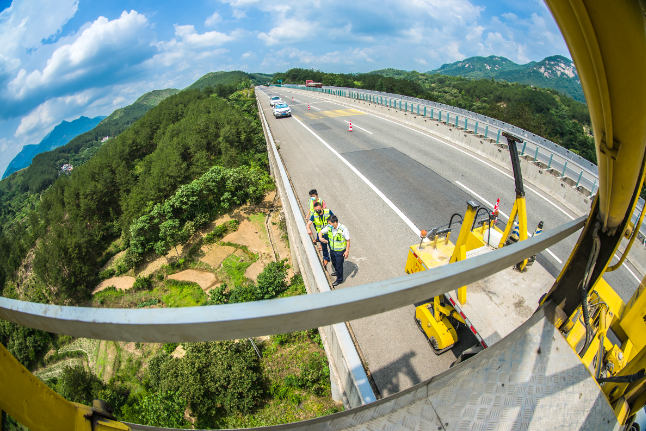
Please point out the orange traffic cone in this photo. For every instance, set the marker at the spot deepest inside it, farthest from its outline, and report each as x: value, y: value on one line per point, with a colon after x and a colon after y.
x: 496, y: 211
x: 350, y: 126
x: 308, y: 106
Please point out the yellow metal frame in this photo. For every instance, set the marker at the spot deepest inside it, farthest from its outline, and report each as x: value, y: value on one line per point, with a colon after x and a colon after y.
x: 520, y: 210
x: 28, y: 400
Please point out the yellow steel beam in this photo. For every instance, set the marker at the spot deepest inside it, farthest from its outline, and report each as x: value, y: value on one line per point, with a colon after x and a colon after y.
x: 607, y: 41
x: 29, y: 401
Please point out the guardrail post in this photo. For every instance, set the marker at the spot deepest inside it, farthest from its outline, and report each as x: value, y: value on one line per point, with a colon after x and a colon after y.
x: 406, y: 106
x: 498, y: 138
x: 592, y: 191
x: 476, y: 128
x: 486, y: 131
x: 564, y: 166
x: 466, y: 124
x: 440, y: 116
x: 579, y: 180
x: 536, y: 155
x: 400, y: 104
x: 425, y: 111
x: 522, y: 153
x: 550, y: 164
x: 418, y: 109
x: 456, y: 120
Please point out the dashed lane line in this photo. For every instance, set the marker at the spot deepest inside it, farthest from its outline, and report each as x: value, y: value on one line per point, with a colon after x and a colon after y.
x: 359, y: 127
x: 388, y: 202
x: 439, y: 139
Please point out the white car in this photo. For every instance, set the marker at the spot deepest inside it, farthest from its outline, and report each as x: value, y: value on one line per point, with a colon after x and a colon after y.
x: 282, y: 110
x: 275, y: 100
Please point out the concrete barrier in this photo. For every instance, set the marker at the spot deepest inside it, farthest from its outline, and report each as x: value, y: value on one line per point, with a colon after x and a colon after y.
x: 348, y: 378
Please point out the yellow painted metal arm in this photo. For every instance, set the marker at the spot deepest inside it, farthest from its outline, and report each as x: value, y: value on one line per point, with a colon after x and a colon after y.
x: 608, y: 45
x: 28, y: 400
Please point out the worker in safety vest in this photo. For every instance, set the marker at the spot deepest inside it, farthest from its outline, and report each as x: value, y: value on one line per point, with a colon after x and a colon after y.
x: 314, y: 197
x: 339, y: 241
x: 320, y: 218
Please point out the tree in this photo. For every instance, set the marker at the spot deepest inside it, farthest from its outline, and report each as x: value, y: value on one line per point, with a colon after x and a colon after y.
x: 79, y: 385
x: 160, y: 409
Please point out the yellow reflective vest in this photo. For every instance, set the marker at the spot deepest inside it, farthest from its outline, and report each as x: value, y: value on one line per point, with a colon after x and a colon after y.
x: 320, y: 220
x: 337, y: 242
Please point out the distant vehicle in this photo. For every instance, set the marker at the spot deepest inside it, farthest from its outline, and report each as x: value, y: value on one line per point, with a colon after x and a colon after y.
x: 310, y: 83
x: 282, y: 110
x: 275, y: 100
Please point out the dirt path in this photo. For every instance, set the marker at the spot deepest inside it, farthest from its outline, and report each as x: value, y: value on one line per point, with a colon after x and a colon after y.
x: 203, y: 278
x: 121, y: 283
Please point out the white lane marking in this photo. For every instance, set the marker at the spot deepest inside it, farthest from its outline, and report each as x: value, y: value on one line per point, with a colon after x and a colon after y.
x: 440, y: 140
x: 354, y: 125
x: 365, y: 180
x: 503, y: 214
x: 628, y: 269
x: 481, y: 198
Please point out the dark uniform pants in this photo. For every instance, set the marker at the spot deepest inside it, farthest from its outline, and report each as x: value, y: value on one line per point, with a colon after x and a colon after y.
x: 324, y: 248
x: 337, y: 263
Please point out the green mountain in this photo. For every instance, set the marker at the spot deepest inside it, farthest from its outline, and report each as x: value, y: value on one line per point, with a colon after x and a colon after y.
x: 229, y: 79
x: 60, y: 135
x: 556, y: 72
x: 19, y: 192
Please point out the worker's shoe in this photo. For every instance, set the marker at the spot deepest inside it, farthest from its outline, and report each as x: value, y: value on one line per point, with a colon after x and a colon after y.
x: 333, y: 274
x: 336, y: 283
x: 325, y: 262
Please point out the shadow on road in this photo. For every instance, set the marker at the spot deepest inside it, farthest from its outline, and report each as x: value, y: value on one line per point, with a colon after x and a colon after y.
x: 350, y: 269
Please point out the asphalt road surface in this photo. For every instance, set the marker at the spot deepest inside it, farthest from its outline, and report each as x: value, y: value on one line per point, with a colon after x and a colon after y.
x: 386, y: 181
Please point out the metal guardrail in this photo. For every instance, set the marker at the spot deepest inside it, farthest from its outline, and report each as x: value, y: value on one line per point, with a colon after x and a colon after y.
x: 274, y: 316
x: 582, y: 173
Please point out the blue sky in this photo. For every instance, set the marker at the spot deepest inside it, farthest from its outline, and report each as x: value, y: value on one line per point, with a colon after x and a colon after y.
x: 66, y: 58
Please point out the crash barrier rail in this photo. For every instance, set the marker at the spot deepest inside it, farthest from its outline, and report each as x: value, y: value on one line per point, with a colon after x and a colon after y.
x: 253, y: 319
x: 243, y: 320
x: 573, y: 169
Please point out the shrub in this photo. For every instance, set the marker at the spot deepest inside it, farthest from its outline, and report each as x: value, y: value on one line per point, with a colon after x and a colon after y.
x: 243, y: 293
x: 116, y: 395
x: 220, y: 231
x: 143, y: 283
x: 170, y: 347
x: 147, y: 303
x: 313, y: 377
x: 104, y: 275
x: 78, y: 385
x: 271, y: 281
x: 160, y: 409
x: 216, y: 378
x: 218, y: 295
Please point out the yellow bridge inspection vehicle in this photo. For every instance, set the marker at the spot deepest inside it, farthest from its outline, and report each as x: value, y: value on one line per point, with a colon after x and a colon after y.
x: 505, y: 300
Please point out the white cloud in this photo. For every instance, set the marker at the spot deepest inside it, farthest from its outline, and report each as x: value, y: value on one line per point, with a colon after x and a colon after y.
x: 213, y: 19
x: 23, y: 27
x: 421, y: 61
x: 239, y: 13
x: 509, y: 16
x: 248, y: 55
x: 49, y: 113
x: 103, y: 45
x: 289, y: 30
x: 3, y: 144
x: 295, y: 57
x: 211, y: 38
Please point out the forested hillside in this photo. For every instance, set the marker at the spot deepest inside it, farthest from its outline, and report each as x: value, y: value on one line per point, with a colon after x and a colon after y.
x: 224, y: 83
x: 60, y: 135
x: 80, y: 215
x: 20, y: 192
x: 546, y: 112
